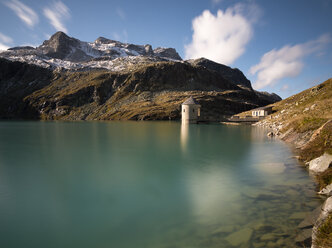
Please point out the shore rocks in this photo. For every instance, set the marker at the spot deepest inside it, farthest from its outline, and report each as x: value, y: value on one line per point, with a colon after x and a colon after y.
x: 327, y: 190
x: 321, y: 163
x: 326, y: 210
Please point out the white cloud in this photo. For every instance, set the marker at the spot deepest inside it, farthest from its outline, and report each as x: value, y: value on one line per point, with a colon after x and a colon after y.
x: 285, y: 62
x: 47, y: 36
x: 25, y: 13
x: 222, y: 37
x: 3, y: 46
x: 5, y: 41
x: 57, y: 13
x: 121, y: 13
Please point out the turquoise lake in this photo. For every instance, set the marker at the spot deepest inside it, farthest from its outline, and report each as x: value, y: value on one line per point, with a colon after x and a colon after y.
x: 148, y: 184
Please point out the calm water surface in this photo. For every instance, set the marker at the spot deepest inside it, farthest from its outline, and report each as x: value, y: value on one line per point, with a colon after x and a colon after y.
x: 148, y: 184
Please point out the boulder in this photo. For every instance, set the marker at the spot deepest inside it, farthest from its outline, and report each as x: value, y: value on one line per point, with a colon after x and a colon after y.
x: 270, y: 134
x: 327, y: 190
x: 321, y: 163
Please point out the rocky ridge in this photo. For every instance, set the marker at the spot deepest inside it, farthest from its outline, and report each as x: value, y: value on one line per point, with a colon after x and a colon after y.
x: 64, y: 52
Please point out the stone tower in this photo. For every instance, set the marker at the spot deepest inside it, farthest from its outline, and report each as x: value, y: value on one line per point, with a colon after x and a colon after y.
x: 190, y: 111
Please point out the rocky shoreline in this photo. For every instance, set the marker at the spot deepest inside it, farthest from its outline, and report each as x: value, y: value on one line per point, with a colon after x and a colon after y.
x: 311, y: 225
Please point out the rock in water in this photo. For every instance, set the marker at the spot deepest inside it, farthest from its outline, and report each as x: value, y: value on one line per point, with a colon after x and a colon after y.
x: 240, y: 237
x: 310, y: 220
x: 272, y: 168
x: 304, y: 236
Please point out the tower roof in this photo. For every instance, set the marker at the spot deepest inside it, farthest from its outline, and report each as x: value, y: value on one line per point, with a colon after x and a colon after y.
x: 189, y: 101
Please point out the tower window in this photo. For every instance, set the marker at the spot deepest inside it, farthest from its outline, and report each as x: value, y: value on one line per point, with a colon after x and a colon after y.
x: 184, y: 110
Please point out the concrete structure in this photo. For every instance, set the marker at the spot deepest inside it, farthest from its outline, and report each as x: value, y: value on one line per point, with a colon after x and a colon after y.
x: 190, y: 111
x: 263, y: 111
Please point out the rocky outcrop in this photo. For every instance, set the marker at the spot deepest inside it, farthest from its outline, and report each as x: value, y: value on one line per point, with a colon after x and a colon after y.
x: 166, y: 53
x: 61, y: 46
x: 268, y: 96
x: 233, y: 75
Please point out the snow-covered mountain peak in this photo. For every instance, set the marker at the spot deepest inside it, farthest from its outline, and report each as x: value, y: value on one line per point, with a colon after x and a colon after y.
x: 62, y: 51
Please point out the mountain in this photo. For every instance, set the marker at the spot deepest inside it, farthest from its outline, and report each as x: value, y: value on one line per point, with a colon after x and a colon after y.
x: 64, y: 52
x: 68, y: 79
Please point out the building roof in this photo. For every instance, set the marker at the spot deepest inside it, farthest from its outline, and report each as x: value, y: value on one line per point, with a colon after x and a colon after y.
x: 189, y: 101
x: 263, y: 108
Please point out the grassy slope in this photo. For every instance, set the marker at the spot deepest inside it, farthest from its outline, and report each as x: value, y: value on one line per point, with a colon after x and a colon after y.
x: 298, y: 117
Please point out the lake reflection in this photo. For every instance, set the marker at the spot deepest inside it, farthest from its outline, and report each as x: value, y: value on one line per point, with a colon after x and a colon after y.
x: 147, y: 184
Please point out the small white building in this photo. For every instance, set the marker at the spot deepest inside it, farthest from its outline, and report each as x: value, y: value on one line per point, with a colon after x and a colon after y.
x: 263, y: 111
x: 190, y: 111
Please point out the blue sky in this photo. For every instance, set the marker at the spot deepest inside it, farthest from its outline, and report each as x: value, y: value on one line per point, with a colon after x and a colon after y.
x: 282, y: 46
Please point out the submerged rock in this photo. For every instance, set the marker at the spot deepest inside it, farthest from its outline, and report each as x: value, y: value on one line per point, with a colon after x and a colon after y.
x: 268, y: 236
x: 240, y: 237
x: 310, y: 220
x: 272, y: 168
x: 223, y: 229
x: 304, y: 237
x: 299, y: 215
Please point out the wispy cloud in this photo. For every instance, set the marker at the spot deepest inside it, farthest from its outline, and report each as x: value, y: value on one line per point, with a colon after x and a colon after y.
x: 216, y: 1
x: 120, y: 13
x: 222, y: 37
x: 285, y: 62
x: 285, y: 87
x: 57, y: 13
x: 25, y: 13
x: 5, y: 41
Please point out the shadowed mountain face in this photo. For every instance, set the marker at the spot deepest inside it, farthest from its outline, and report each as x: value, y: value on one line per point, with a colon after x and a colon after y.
x: 69, y: 79
x: 233, y: 75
